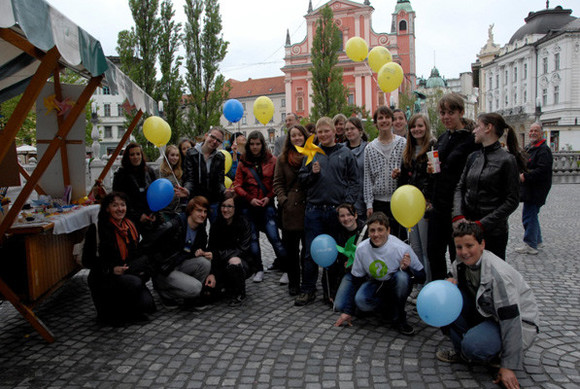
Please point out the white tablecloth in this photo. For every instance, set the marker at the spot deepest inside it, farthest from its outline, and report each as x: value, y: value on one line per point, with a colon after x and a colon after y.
x: 68, y: 222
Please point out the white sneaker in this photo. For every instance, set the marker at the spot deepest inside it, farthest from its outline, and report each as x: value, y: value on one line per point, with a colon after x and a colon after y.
x: 258, y: 277
x: 284, y: 279
x: 526, y: 249
x: 540, y: 245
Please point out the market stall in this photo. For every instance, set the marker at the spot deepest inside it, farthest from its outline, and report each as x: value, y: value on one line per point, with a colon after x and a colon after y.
x: 36, y: 43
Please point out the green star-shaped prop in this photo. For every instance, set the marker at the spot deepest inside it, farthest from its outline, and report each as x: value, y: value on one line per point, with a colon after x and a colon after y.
x: 348, y: 250
x: 309, y: 149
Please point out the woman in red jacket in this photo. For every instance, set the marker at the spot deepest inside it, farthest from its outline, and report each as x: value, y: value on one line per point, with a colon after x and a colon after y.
x: 254, y: 186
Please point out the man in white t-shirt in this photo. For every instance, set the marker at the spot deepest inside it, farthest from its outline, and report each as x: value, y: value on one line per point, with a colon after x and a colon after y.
x: 382, y: 277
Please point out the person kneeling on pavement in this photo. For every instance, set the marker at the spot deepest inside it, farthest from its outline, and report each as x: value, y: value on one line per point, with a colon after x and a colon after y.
x: 499, y: 316
x: 382, y: 277
x: 181, y: 275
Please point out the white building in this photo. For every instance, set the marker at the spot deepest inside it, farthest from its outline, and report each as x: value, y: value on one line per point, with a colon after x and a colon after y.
x: 111, y: 118
x: 535, y: 77
x: 246, y: 92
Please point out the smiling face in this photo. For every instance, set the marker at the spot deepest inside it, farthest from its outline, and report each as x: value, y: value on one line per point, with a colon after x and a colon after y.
x: 451, y: 119
x: 241, y: 142
x: 198, y: 215
x: 339, y: 127
x: 468, y: 249
x: 135, y: 156
x: 400, y: 124
x: 297, y: 138
x: 419, y: 130
x: 173, y: 157
x: 378, y: 233
x: 290, y: 120
x: 353, y: 134
x: 214, y: 139
x: 535, y: 133
x: 480, y: 131
x: 347, y: 219
x: 185, y: 146
x: 384, y: 122
x: 117, y: 209
x: 227, y: 209
x: 325, y: 135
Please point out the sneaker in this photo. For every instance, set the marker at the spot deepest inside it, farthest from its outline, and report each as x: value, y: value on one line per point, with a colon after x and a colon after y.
x: 304, y: 299
x: 526, y: 249
x: 168, y: 303
x: 284, y: 279
x: 237, y: 301
x: 405, y: 329
x: 449, y: 356
x: 258, y: 277
x: 540, y: 245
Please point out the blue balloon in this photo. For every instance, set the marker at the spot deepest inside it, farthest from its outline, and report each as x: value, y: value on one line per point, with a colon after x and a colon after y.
x: 439, y: 303
x: 233, y: 110
x: 159, y: 194
x: 323, y: 250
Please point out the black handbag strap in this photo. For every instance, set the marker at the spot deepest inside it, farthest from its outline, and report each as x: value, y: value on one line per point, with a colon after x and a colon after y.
x: 257, y: 178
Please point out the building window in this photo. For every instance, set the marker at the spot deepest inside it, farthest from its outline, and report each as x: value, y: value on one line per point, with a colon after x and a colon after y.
x: 106, y: 90
x: 544, y: 97
x: 403, y: 25
x: 556, y: 95
x: 300, y: 104
x: 244, y: 106
x: 525, y: 96
x: 107, y: 110
x: 515, y: 98
x: 496, y: 103
x: 525, y: 71
x: 490, y: 83
x: 283, y: 103
x: 544, y: 65
x: 515, y: 74
x: 108, y: 132
x: 120, y: 132
x: 119, y: 110
x: 283, y: 117
x: 506, y: 77
x: 506, y: 100
x: 244, y: 120
x: 351, y: 99
x: 497, y: 80
x: 557, y: 61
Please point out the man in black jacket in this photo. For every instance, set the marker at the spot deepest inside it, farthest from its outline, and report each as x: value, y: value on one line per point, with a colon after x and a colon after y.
x: 534, y: 188
x: 204, y: 170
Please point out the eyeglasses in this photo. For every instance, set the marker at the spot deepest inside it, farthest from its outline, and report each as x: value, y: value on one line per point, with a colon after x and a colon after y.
x: 215, y: 138
x: 228, y: 206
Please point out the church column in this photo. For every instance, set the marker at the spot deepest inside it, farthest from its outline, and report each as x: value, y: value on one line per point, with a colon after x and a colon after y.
x: 358, y: 92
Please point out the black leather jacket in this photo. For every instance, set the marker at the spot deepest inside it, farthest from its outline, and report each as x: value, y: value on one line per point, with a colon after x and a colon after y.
x: 488, y: 191
x: 198, y: 181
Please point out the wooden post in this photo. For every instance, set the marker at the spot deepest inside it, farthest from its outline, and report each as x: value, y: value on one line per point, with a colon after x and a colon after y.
x: 37, y: 187
x: 59, y: 119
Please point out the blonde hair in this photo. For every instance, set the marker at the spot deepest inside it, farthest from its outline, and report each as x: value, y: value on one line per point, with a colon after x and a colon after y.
x: 167, y: 170
x: 325, y: 120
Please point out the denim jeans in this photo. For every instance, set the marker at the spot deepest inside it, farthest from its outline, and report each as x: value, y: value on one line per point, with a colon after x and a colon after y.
x: 264, y: 219
x: 319, y: 219
x: 385, y: 297
x: 418, y: 242
x: 478, y: 339
x: 532, y: 231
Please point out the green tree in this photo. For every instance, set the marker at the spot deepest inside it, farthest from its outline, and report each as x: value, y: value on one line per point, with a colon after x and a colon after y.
x: 329, y: 93
x: 170, y: 87
x: 205, y: 49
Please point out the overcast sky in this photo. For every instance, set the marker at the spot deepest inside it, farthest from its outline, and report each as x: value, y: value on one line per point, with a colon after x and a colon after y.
x: 448, y: 33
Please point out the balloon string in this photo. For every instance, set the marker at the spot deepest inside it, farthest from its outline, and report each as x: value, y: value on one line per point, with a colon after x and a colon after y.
x: 372, y: 75
x: 170, y: 167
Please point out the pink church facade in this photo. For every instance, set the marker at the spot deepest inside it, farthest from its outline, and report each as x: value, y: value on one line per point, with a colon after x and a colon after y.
x: 353, y: 19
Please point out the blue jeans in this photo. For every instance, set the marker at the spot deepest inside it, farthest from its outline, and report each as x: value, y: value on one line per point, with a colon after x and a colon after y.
x: 319, y: 219
x: 213, y: 212
x: 264, y: 219
x: 384, y: 297
x: 532, y: 231
x: 477, y: 338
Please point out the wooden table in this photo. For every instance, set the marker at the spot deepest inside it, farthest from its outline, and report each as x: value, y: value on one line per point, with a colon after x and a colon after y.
x: 39, y: 258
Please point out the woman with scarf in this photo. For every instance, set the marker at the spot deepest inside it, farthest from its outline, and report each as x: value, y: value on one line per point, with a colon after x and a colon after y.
x: 119, y: 269
x: 291, y: 203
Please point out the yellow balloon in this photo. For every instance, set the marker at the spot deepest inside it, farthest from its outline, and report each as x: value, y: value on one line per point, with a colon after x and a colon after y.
x: 228, y: 182
x: 379, y: 56
x: 263, y: 109
x: 356, y: 49
x: 228, y: 160
x: 390, y: 77
x: 408, y: 205
x: 156, y: 130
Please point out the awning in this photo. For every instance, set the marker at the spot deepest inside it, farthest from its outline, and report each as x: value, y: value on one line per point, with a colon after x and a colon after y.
x: 45, y: 27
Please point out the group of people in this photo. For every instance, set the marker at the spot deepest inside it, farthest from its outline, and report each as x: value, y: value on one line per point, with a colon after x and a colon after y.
x: 345, y: 192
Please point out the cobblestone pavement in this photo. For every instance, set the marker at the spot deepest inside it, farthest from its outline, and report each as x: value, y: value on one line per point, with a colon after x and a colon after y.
x: 270, y: 343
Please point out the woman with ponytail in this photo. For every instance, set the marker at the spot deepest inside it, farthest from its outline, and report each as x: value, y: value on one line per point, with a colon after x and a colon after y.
x: 488, y: 191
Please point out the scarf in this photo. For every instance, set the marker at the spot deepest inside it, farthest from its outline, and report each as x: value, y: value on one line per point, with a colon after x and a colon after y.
x: 295, y: 158
x: 122, y: 231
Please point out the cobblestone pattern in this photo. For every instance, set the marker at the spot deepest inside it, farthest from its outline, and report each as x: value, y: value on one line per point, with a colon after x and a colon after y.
x: 270, y: 343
